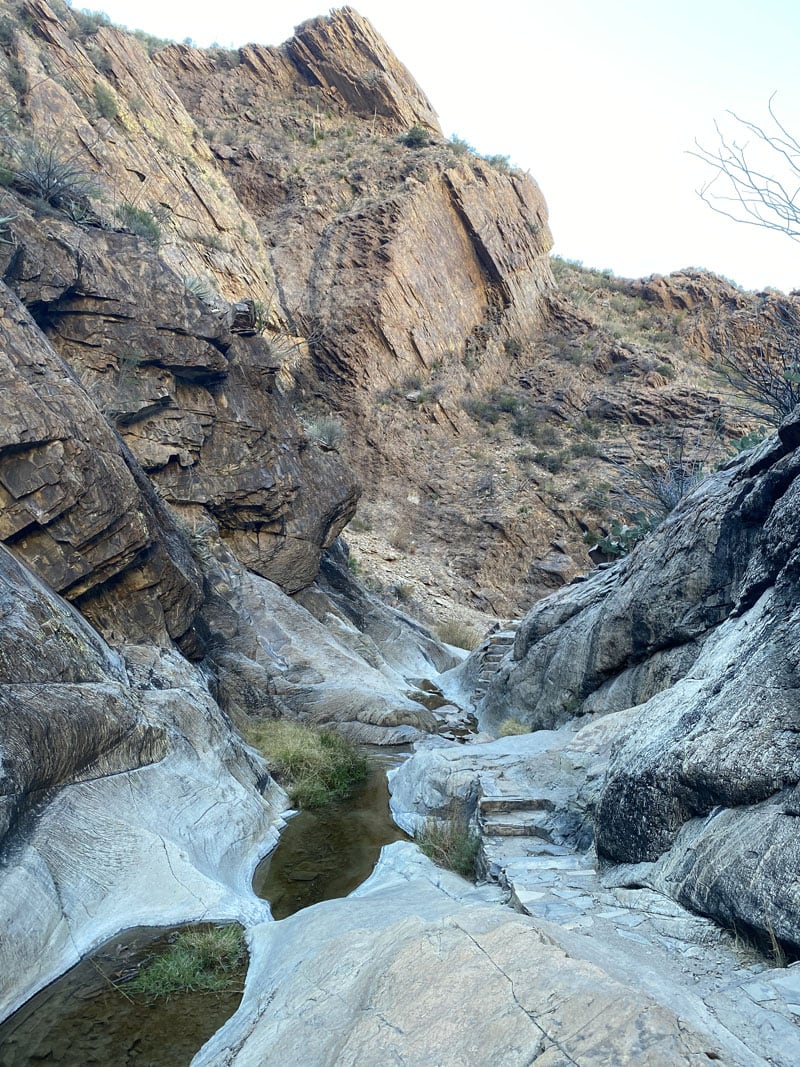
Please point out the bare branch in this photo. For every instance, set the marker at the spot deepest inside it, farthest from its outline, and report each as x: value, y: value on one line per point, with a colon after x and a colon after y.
x: 741, y: 189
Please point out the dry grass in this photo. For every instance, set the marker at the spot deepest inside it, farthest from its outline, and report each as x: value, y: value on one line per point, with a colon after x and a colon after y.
x: 316, y: 766
x: 457, y: 633
x: 512, y: 727
x: 450, y: 843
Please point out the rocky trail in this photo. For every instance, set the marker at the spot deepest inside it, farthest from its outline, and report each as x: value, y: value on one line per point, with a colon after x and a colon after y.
x: 682, y: 959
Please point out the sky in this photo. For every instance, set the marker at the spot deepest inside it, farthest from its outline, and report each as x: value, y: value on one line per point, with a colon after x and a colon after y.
x: 600, y: 100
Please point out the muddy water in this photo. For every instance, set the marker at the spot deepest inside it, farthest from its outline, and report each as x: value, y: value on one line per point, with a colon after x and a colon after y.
x: 82, y: 1020
x: 327, y: 853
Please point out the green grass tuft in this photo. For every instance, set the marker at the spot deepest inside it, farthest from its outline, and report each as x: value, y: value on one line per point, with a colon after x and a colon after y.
x: 450, y: 843
x: 210, y: 959
x: 317, y: 766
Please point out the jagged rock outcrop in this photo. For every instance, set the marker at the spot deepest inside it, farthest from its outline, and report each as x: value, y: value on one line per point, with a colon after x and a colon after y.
x: 346, y: 57
x: 699, y: 627
x: 139, y: 146
x: 75, y: 505
x: 197, y: 404
x: 419, y: 273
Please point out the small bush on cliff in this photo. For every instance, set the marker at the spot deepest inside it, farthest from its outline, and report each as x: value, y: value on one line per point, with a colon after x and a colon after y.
x: 106, y: 101
x: 45, y: 169
x: 450, y: 843
x: 326, y: 430
x: 315, y: 766
x: 416, y: 137
x: 140, y: 222
x: 88, y: 23
x: 208, y: 960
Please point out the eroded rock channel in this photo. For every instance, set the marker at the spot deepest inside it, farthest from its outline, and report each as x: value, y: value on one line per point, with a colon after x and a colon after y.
x: 327, y: 852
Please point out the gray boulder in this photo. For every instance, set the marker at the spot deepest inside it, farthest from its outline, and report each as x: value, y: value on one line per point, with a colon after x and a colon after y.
x: 697, y: 630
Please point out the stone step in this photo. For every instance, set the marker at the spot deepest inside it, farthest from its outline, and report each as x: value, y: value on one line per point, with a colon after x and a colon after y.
x: 508, y: 853
x: 498, y: 802
x: 516, y: 824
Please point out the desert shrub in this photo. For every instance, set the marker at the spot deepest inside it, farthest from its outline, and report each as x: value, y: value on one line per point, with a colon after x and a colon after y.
x: 489, y: 408
x: 316, y: 766
x: 88, y: 23
x: 209, y: 959
x: 553, y: 462
x: 8, y: 32
x: 450, y: 843
x: 326, y: 430
x: 458, y: 633
x: 203, y: 289
x: 512, y: 727
x: 622, y: 535
x: 416, y: 137
x: 360, y: 523
x: 353, y: 566
x: 106, y: 101
x: 46, y: 170
x: 151, y: 43
x: 141, y: 222
x: 749, y: 440
x: 584, y: 447
x: 460, y: 146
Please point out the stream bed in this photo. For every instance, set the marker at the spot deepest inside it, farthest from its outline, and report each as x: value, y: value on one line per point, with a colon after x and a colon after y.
x: 327, y: 852
x: 87, y: 1019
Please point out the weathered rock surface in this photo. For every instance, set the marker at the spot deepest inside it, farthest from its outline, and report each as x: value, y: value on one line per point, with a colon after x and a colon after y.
x: 75, y: 505
x: 698, y: 629
x: 271, y: 656
x: 353, y: 64
x: 198, y: 405
x: 416, y: 273
x: 531, y: 799
x: 125, y: 799
x: 394, y: 973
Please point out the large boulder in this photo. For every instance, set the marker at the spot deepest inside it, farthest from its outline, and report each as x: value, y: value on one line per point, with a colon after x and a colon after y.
x: 418, y: 967
x: 698, y: 629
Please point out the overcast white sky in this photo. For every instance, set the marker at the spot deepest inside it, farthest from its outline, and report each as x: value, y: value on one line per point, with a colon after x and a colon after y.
x: 599, y: 99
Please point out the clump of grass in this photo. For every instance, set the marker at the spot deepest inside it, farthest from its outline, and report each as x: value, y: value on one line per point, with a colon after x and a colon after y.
x: 512, y: 727
x: 316, y: 766
x: 460, y: 634
x: 106, y: 101
x: 450, y: 843
x: 207, y: 959
x: 326, y: 430
x: 140, y: 222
